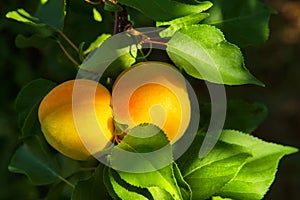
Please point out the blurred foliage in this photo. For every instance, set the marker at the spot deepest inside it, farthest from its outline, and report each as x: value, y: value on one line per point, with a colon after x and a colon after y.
x: 276, y: 64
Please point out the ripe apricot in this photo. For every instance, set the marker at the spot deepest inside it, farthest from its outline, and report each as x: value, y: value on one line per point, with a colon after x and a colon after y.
x: 152, y: 92
x: 76, y: 118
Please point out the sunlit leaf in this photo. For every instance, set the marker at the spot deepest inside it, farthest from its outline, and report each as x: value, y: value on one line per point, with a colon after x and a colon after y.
x: 203, y: 52
x: 257, y: 175
x: 243, y: 22
x: 166, y: 10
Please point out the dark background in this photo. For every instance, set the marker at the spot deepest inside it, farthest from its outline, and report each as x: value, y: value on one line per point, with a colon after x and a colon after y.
x: 276, y: 63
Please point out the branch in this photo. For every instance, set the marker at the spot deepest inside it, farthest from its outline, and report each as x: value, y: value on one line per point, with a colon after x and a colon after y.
x: 121, y: 22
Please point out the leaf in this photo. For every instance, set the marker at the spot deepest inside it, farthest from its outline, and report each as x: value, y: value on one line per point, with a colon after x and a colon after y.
x: 240, y: 115
x: 166, y: 10
x: 256, y: 176
x: 97, y: 15
x: 100, y: 39
x: 206, y: 176
x: 113, y: 49
x: 112, y: 7
x: 52, y: 13
x: 179, y: 23
x: 148, y: 148
x: 185, y: 189
x: 37, y: 41
x: 118, y: 189
x: 243, y: 22
x: 23, y: 16
x: 36, y: 161
x: 92, y: 188
x: 203, y: 52
x: 27, y: 103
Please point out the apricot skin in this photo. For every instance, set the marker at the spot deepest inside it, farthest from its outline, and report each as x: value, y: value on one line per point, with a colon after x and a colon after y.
x: 77, y: 126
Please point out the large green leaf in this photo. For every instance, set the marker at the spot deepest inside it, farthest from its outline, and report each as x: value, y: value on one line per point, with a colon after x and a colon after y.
x: 256, y: 176
x: 203, y: 52
x: 36, y: 161
x: 178, y: 23
x: 113, y: 56
x: 243, y: 22
x: 165, y: 10
x: 27, y: 103
x: 93, y: 188
x: 149, y: 167
x: 119, y: 189
x: 52, y: 13
x: 206, y: 176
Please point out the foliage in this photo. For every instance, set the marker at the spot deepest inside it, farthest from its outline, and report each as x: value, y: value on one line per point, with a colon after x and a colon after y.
x: 203, y: 36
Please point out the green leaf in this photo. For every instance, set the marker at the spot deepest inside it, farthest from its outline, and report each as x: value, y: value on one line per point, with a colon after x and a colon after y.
x: 23, y: 16
x: 36, y: 161
x: 203, y: 52
x: 110, y: 50
x: 37, y: 41
x: 114, y: 55
x: 100, y: 39
x: 118, y: 189
x: 206, y: 176
x: 185, y: 189
x: 179, y: 23
x: 27, y: 103
x: 93, y: 188
x: 243, y: 22
x: 97, y: 15
x: 148, y: 148
x: 112, y: 7
x: 256, y: 176
x: 240, y: 115
x: 166, y: 10
x: 52, y: 13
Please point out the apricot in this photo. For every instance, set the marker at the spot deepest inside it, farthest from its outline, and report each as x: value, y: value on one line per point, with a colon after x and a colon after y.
x: 76, y: 118
x: 152, y: 92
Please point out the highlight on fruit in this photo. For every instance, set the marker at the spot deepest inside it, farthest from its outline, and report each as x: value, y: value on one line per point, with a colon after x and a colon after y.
x: 152, y: 92
x: 77, y: 126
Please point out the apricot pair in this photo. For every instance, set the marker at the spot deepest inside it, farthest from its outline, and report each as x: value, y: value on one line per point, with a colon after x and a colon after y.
x: 77, y: 117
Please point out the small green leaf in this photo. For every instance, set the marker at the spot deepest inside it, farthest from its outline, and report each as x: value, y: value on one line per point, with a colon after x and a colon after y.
x: 97, y: 15
x: 181, y: 22
x: 52, y: 13
x: 203, y: 52
x: 100, y: 39
x: 27, y: 103
x: 35, y: 40
x: 166, y: 10
x: 256, y: 176
x: 112, y: 7
x: 243, y: 22
x: 208, y: 175
x: 36, y: 161
x: 23, y: 16
x: 92, y: 188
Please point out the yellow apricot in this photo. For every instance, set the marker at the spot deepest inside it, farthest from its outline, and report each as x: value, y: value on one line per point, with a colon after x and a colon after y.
x: 76, y: 118
x: 152, y: 92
